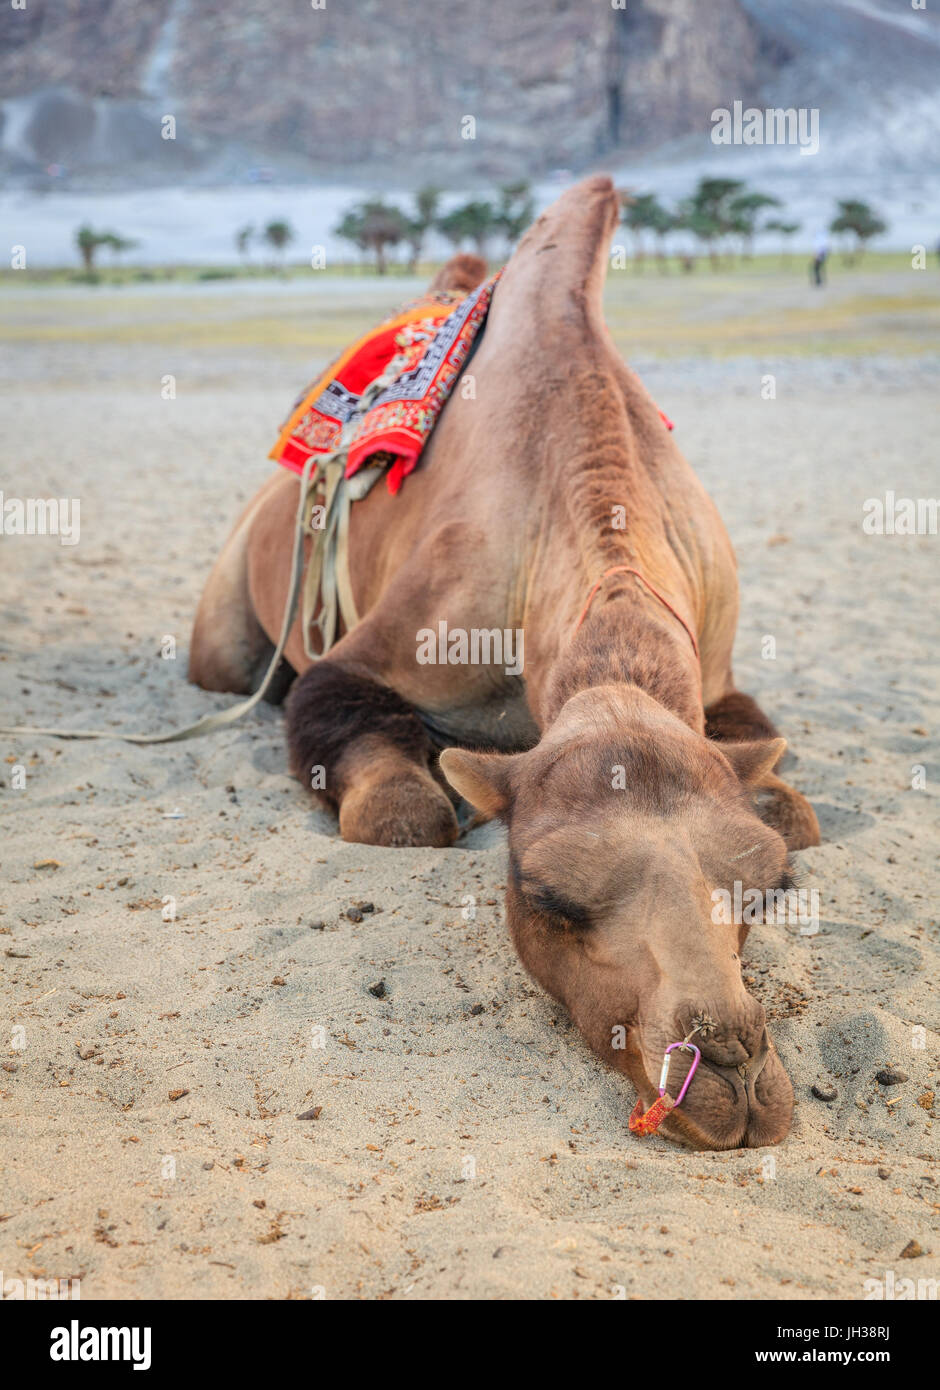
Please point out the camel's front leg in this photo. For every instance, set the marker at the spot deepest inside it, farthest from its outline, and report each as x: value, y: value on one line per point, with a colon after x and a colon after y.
x: 736, y: 718
x: 361, y: 748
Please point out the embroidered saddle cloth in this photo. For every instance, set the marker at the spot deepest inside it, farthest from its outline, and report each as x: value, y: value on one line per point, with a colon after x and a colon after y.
x: 414, y: 358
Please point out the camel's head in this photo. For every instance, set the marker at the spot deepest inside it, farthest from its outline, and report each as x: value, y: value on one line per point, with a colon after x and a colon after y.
x: 623, y: 823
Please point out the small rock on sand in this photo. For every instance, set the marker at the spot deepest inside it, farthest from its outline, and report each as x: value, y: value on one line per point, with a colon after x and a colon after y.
x: 826, y: 1093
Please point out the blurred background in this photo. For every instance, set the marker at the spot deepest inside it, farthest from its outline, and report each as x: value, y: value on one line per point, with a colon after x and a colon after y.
x: 245, y: 136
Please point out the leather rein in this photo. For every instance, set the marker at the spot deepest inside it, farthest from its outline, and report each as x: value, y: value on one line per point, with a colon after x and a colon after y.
x: 628, y: 569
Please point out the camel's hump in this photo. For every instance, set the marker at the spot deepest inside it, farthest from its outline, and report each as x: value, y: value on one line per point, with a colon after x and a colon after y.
x: 559, y: 266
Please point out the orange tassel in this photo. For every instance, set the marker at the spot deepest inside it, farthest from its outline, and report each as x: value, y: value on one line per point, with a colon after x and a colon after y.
x: 649, y: 1123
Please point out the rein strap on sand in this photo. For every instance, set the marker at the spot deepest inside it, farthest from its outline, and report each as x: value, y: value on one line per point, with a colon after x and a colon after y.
x: 328, y: 569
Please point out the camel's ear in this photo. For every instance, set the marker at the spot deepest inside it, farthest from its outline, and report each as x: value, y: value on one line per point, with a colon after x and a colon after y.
x: 480, y: 778
x: 752, y: 761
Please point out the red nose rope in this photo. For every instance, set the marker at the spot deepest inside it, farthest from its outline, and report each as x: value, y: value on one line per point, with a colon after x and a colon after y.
x: 649, y: 1122
x: 628, y: 569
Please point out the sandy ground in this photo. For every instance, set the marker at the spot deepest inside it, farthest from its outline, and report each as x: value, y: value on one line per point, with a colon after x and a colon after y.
x: 466, y: 1143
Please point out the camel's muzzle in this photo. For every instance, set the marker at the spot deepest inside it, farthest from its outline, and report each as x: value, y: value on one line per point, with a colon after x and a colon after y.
x: 746, y: 1105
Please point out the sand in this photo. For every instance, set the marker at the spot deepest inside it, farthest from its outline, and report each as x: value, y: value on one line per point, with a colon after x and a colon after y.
x: 465, y: 1142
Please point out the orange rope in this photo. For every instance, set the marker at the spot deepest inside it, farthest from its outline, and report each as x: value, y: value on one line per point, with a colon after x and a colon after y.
x: 628, y: 569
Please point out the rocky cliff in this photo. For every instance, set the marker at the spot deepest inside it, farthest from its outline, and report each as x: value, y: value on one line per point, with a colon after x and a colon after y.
x: 381, y: 90
x: 367, y: 83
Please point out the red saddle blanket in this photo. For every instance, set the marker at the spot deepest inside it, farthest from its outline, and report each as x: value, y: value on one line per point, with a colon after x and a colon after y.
x: 421, y: 350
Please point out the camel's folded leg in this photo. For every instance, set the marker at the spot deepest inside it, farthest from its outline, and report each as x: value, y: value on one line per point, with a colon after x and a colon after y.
x: 737, y: 718
x: 361, y: 748
x: 229, y: 649
x: 787, y: 811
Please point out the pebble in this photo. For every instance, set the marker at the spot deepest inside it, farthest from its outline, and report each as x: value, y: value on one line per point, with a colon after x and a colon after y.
x: 354, y: 914
x: 378, y: 989
x: 826, y: 1093
x: 890, y: 1076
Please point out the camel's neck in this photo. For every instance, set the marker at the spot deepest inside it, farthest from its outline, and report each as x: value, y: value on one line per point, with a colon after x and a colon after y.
x: 628, y: 634
x: 631, y: 639
x: 580, y: 452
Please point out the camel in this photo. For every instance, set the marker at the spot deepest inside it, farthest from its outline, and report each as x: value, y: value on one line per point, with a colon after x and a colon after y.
x: 633, y: 778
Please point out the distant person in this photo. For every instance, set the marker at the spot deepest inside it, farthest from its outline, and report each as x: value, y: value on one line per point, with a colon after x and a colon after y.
x: 820, y: 256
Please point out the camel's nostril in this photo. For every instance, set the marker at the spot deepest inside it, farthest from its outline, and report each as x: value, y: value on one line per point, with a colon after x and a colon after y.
x: 737, y: 1023
x: 729, y: 1036
x: 734, y: 1046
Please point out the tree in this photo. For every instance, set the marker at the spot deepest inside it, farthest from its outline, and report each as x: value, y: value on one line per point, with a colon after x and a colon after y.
x: 702, y: 226
x: 279, y: 234
x: 642, y: 214
x: 243, y: 239
x: 480, y: 221
x: 707, y: 214
x: 475, y: 221
x: 89, y: 242
x: 857, y: 219
x: 374, y: 226
x: 351, y: 229
x: 743, y: 210
x: 117, y: 245
x: 661, y: 222
x: 383, y: 225
x: 786, y: 230
x: 453, y: 227
x: 421, y: 222
x: 515, y: 210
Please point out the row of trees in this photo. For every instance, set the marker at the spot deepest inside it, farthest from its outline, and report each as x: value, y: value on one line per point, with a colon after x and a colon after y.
x: 719, y: 215
x: 722, y: 212
x: 375, y: 226
x: 278, y: 235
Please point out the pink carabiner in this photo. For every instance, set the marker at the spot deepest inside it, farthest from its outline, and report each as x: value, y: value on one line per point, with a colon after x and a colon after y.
x: 664, y: 1074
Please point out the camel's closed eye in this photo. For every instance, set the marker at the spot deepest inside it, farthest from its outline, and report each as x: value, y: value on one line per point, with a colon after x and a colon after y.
x: 548, y: 902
